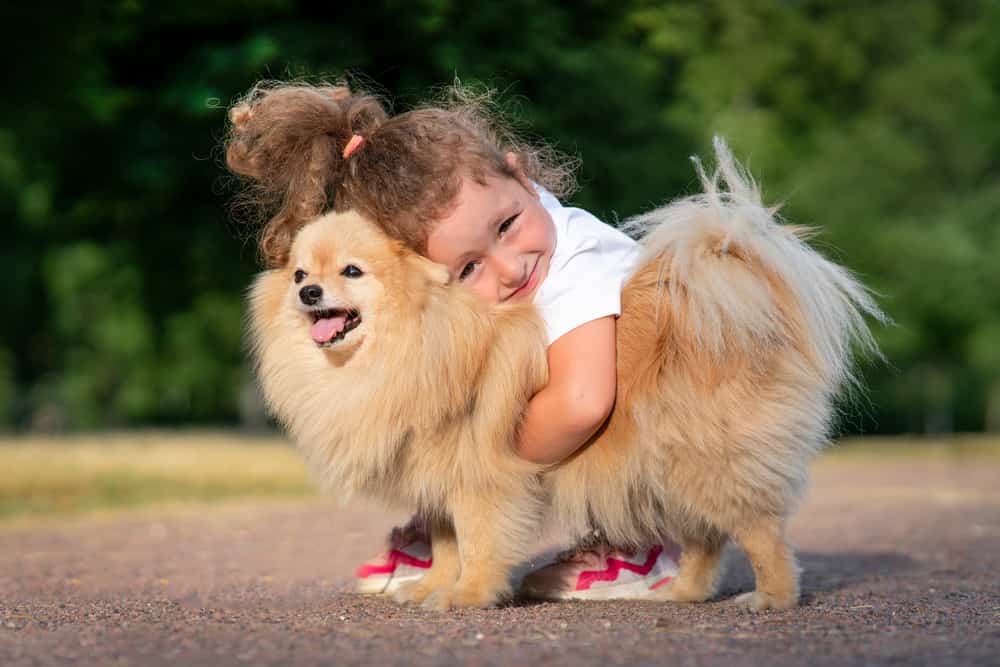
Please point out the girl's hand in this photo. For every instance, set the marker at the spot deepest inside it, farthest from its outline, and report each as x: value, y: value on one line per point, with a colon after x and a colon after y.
x: 579, y: 396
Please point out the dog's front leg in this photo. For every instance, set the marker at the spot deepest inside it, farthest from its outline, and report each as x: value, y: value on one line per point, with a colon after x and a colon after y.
x: 698, y: 576
x: 444, y: 569
x: 491, y: 541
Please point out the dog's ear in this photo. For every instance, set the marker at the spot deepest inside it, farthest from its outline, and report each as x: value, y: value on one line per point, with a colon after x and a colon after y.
x: 436, y: 273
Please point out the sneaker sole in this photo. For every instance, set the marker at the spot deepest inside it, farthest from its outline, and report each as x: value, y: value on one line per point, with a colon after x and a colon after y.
x: 385, y: 585
x: 631, y: 591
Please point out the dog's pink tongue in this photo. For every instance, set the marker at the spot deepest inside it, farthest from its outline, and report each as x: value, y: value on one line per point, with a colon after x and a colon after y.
x: 327, y: 328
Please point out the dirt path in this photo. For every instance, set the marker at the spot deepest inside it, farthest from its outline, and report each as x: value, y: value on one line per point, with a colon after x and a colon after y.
x: 901, y: 560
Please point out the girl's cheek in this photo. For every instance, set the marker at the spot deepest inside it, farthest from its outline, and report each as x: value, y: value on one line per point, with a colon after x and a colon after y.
x: 485, y: 293
x: 487, y: 287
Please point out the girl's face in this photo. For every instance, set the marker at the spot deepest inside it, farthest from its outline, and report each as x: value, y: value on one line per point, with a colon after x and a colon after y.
x: 498, y: 239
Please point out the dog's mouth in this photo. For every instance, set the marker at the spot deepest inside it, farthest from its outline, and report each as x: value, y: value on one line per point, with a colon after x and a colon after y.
x: 330, y: 326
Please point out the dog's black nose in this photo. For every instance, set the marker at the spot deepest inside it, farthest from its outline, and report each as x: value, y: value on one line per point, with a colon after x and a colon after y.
x: 310, y: 294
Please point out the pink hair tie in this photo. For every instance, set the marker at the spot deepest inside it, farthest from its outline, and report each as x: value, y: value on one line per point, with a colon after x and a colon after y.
x: 353, y: 145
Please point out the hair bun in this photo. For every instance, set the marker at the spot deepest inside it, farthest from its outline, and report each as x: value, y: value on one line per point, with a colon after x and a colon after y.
x: 288, y: 139
x: 240, y: 114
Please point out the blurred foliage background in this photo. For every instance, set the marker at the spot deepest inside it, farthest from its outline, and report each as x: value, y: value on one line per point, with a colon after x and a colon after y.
x: 124, y: 276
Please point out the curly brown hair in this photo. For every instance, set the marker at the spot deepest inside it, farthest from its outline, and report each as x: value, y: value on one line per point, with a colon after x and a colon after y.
x: 287, y: 140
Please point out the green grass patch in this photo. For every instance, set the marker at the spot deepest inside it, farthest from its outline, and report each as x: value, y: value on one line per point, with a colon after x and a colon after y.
x: 912, y: 447
x: 52, y: 476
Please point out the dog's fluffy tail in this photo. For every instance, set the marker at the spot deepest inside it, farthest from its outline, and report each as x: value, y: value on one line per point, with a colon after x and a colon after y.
x: 738, y: 281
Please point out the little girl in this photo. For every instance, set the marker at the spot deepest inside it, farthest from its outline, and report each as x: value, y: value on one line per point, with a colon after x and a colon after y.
x: 450, y: 183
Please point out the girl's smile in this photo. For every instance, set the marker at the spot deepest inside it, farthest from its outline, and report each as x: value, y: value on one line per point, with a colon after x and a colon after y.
x: 529, y: 284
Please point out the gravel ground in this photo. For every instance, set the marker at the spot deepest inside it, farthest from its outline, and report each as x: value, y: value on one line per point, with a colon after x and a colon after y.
x: 901, y: 566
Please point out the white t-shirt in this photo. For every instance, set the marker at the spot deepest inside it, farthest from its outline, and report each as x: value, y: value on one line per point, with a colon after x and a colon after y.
x: 589, y: 266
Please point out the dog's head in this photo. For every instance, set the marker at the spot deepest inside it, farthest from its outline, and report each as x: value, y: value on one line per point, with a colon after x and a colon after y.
x: 345, y: 279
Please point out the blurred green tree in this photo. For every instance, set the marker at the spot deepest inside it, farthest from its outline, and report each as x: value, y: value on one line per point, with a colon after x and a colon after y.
x: 874, y: 121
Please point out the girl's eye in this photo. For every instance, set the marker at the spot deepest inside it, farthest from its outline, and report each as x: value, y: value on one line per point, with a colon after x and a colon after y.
x: 351, y: 271
x: 467, y: 270
x: 300, y: 275
x: 505, y: 225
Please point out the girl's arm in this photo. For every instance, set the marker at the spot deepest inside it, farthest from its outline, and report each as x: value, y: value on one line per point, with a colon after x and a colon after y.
x: 579, y: 396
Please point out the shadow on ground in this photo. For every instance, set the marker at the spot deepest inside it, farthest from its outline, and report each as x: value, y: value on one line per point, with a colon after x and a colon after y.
x: 821, y: 572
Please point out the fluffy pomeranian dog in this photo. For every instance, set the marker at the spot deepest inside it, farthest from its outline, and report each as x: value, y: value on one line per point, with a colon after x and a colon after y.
x: 734, y: 340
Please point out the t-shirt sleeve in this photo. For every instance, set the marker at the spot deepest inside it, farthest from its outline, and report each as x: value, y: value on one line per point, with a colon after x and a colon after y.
x: 584, y: 287
x: 589, y: 266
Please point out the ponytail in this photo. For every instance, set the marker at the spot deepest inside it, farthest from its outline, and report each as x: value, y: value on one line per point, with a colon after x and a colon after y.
x: 288, y: 140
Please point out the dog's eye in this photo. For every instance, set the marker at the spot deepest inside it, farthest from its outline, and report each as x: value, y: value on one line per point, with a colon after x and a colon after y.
x: 351, y: 271
x: 300, y: 275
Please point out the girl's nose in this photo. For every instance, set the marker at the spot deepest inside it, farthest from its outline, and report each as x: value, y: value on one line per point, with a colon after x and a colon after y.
x: 508, y: 268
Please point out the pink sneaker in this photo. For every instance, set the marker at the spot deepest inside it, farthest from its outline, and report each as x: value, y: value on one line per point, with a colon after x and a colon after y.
x: 602, y: 573
x: 407, y: 558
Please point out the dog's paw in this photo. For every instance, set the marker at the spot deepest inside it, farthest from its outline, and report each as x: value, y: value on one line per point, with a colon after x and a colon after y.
x: 444, y: 599
x: 676, y: 591
x: 414, y: 592
x: 761, y: 601
x: 439, y: 600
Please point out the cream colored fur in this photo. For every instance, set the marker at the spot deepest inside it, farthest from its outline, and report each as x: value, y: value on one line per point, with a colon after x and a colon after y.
x: 734, y: 340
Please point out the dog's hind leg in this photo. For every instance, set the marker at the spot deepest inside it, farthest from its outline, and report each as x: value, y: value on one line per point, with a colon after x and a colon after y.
x: 774, y: 566
x: 698, y: 574
x: 444, y: 571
